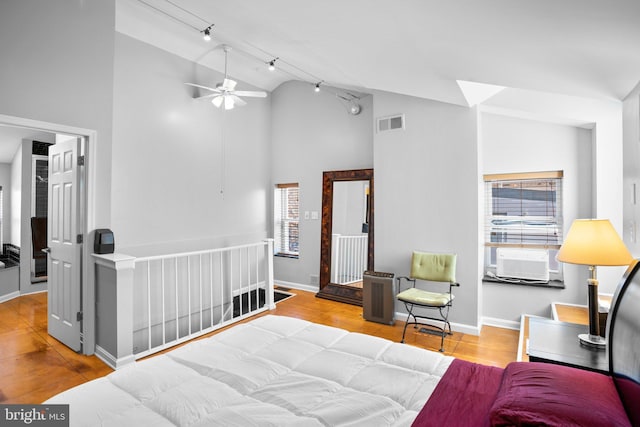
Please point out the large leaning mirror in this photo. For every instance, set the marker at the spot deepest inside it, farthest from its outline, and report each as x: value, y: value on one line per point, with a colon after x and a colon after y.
x: 346, y: 244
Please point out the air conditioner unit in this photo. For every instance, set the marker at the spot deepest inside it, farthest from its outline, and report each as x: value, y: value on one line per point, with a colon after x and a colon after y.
x: 530, y: 264
x: 378, y: 297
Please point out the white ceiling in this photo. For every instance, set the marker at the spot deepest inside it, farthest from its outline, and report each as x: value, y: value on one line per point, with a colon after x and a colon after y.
x: 11, y: 137
x: 585, y: 48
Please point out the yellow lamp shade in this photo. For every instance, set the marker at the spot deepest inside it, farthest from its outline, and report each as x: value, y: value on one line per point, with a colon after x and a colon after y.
x: 593, y: 242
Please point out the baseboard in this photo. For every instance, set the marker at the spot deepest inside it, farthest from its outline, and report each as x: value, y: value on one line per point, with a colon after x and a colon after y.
x: 501, y: 323
x: 112, y: 361
x: 10, y: 296
x: 455, y: 327
x: 293, y: 285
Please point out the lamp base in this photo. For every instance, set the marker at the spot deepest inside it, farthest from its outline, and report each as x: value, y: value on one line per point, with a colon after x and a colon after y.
x: 593, y: 340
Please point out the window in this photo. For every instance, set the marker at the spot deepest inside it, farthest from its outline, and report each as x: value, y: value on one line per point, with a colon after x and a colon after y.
x: 286, y: 220
x: 524, y: 210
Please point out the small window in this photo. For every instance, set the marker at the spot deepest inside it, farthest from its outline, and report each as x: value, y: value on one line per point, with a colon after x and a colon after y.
x: 287, y: 220
x: 524, y: 210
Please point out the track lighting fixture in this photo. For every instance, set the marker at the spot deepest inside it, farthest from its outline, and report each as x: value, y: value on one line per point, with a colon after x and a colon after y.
x: 207, y: 33
x: 272, y: 64
x: 317, y: 88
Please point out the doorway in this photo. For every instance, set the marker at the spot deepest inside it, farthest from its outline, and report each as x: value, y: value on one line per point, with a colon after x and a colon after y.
x: 85, y: 220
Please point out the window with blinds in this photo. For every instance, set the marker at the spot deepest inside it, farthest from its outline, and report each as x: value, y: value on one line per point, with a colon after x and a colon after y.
x: 286, y: 220
x: 524, y: 210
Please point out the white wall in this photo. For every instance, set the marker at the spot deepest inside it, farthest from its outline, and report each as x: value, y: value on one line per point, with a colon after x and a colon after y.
x: 511, y: 144
x: 25, y: 221
x: 167, y: 157
x: 5, y: 183
x: 426, y: 195
x: 311, y: 133
x: 57, y: 67
x: 15, y: 236
x: 631, y: 201
x: 606, y: 118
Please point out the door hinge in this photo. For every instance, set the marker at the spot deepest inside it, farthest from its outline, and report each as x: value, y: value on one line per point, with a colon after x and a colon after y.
x: 80, y: 160
x: 79, y: 316
x: 79, y: 238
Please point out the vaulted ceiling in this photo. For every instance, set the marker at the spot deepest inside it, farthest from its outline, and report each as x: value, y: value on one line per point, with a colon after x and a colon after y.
x: 585, y: 48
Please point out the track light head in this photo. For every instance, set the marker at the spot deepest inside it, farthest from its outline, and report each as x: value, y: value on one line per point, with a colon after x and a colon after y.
x: 317, y: 88
x: 207, y: 33
x: 272, y: 64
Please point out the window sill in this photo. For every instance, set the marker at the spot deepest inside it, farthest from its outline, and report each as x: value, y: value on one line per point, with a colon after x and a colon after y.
x: 286, y: 256
x: 553, y: 284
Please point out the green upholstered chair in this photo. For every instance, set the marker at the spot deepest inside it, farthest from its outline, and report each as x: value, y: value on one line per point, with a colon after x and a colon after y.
x: 429, y: 267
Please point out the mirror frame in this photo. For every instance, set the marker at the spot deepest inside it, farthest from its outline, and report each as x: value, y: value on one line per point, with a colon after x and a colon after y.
x: 334, y: 291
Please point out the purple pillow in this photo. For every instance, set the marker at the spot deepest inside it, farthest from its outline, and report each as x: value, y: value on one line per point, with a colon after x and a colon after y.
x: 542, y: 394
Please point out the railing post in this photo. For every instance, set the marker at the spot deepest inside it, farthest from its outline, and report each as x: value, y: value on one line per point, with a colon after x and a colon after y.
x: 269, y: 275
x: 114, y: 311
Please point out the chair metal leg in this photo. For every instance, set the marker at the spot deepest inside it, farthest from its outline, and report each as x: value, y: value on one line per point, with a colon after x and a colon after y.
x: 445, y: 317
x: 410, y: 310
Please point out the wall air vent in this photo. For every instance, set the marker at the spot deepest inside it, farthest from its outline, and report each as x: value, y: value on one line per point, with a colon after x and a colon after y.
x: 390, y: 123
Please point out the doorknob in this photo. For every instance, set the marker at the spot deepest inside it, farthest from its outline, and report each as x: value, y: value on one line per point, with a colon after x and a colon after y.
x: 46, y: 250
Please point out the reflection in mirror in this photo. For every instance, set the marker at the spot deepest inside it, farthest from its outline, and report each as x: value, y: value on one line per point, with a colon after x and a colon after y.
x: 350, y: 232
x: 347, y: 238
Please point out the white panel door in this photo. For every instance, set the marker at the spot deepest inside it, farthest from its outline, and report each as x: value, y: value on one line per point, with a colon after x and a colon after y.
x: 64, y: 262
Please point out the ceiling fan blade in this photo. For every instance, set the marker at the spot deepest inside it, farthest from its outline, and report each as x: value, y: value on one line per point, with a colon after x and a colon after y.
x: 250, y: 93
x: 228, y: 84
x: 237, y: 100
x: 211, y: 95
x: 204, y: 87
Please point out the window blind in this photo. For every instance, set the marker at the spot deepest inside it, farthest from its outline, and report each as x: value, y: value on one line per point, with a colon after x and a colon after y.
x: 286, y: 219
x: 524, y: 210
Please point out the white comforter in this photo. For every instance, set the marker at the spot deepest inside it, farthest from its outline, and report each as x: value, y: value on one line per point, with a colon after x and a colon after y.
x: 275, y: 371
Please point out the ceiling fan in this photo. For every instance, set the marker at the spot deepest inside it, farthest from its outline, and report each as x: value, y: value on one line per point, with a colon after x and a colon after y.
x: 224, y: 94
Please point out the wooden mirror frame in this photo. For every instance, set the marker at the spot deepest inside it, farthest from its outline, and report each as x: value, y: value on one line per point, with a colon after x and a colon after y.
x: 334, y: 291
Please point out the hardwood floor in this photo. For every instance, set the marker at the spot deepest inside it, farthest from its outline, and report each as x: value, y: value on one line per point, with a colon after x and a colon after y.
x: 35, y: 366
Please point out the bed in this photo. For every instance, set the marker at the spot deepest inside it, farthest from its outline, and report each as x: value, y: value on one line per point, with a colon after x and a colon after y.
x: 281, y: 371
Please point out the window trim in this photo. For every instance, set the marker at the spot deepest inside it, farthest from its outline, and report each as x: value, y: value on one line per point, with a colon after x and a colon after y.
x: 555, y: 275
x: 278, y: 220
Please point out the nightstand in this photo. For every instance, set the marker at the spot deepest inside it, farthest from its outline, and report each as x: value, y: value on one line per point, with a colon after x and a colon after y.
x: 551, y: 341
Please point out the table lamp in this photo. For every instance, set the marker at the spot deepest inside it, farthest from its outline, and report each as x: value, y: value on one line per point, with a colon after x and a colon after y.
x: 593, y: 242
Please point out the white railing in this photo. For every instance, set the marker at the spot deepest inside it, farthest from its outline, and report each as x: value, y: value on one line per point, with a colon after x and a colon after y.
x: 349, y: 258
x: 182, y: 296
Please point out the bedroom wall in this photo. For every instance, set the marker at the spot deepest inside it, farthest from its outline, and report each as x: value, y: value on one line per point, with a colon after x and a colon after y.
x: 631, y: 171
x: 311, y: 133
x: 511, y: 144
x: 57, y: 67
x: 605, y: 117
x: 168, y: 157
x: 427, y: 192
